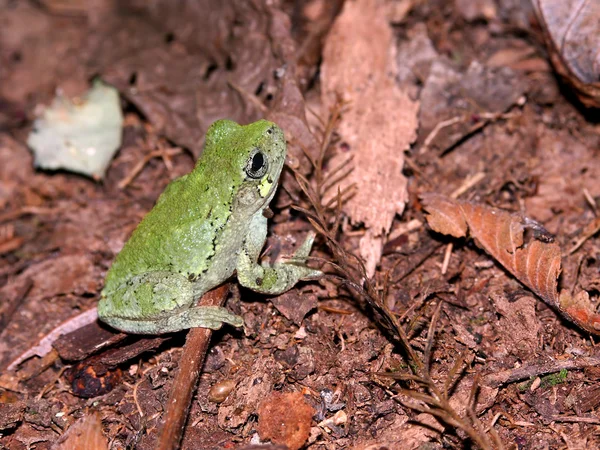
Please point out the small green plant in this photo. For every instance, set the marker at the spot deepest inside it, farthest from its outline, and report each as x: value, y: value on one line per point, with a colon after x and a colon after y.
x: 547, y: 381
x: 555, y: 378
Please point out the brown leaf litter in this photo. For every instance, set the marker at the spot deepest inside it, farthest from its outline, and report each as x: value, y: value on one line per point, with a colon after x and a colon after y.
x: 495, y: 129
x: 380, y: 121
x: 85, y: 433
x: 534, y: 260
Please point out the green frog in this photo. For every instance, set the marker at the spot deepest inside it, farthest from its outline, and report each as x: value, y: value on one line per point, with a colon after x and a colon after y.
x: 204, y: 227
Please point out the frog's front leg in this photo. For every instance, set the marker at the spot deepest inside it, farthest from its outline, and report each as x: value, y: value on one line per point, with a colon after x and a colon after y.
x: 280, y: 277
x: 160, y: 302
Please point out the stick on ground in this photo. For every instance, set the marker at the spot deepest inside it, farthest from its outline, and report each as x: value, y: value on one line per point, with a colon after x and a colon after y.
x: 190, y: 366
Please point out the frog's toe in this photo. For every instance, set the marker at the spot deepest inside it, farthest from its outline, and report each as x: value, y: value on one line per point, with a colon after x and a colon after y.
x: 212, y: 317
x: 304, y: 250
x: 311, y: 274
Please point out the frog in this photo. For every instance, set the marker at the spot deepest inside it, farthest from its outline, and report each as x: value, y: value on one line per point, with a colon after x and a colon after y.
x: 205, y: 226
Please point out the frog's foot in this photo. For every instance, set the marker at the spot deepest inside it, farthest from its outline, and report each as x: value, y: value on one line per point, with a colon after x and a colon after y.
x: 280, y: 277
x: 212, y: 317
x: 299, y: 258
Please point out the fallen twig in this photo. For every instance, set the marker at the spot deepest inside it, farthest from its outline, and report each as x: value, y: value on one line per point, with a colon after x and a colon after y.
x: 525, y: 372
x: 190, y: 365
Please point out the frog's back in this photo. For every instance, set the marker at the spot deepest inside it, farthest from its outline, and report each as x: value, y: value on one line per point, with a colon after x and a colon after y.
x: 179, y: 235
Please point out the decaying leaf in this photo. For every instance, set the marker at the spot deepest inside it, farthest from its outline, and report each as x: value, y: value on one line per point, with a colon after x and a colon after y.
x: 520, y: 244
x: 359, y: 68
x: 220, y: 55
x: 79, y: 136
x: 44, y: 346
x: 571, y: 32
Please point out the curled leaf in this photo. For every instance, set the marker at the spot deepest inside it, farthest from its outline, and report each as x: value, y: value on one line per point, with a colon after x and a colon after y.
x: 520, y: 244
x: 570, y: 29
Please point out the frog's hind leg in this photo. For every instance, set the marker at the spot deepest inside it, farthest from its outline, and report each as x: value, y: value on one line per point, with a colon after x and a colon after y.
x: 160, y: 302
x: 211, y: 317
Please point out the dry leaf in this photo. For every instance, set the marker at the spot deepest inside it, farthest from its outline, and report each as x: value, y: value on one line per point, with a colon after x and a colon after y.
x: 358, y: 67
x: 86, y: 433
x: 44, y: 345
x: 221, y: 54
x: 571, y: 30
x: 536, y: 261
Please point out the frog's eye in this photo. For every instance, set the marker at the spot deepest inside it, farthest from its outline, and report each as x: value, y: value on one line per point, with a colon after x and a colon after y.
x: 257, y: 164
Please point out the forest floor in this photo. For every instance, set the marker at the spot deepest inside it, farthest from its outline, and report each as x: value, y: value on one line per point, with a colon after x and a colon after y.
x: 415, y: 339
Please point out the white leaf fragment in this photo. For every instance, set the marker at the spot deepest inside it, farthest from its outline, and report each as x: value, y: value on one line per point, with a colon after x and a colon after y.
x: 79, y: 136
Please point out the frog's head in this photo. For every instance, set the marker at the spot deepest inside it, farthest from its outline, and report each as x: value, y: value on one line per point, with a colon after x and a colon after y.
x: 252, y: 156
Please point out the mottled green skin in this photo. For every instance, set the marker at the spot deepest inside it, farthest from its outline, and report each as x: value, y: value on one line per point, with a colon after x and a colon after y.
x: 204, y: 226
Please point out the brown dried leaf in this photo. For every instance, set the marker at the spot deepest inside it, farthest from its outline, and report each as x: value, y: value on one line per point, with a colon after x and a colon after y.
x: 288, y: 108
x: 294, y: 305
x: 448, y: 219
x: 570, y: 29
x: 44, y: 345
x: 358, y: 68
x: 85, y: 433
x: 535, y: 262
